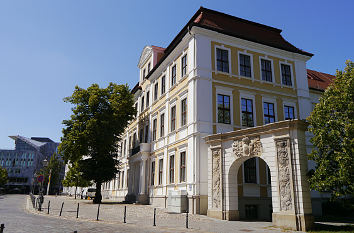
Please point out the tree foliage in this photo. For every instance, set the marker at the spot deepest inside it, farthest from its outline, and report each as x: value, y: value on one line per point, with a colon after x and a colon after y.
x: 74, y: 177
x: 54, y: 168
x: 332, y: 123
x: 91, y: 135
x: 3, y: 176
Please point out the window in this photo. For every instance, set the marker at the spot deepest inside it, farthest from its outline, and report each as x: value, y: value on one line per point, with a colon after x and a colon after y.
x: 224, y: 109
x: 122, y: 179
x: 222, y: 60
x: 173, y: 76
x: 142, y: 104
x: 162, y: 125
x: 163, y: 85
x: 160, y: 170
x: 156, y: 89
x: 268, y: 111
x: 124, y: 146
x: 136, y: 109
x: 184, y: 65
x: 182, y: 172
x: 148, y: 99
x: 154, y: 125
x: 149, y: 66
x: 141, y: 135
x: 250, y: 171
x: 245, y: 65
x: 289, y: 112
x: 152, y: 182
x: 172, y: 169
x: 144, y: 73
x: 184, y: 112
x: 247, y: 112
x: 173, y: 118
x: 146, y: 133
x: 266, y: 70
x: 134, y: 140
x: 130, y: 142
x: 286, y: 75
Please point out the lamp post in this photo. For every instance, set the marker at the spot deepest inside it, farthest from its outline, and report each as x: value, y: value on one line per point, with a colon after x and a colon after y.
x: 45, y: 164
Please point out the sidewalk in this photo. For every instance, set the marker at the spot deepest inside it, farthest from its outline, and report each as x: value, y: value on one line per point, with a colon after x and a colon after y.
x: 142, y: 215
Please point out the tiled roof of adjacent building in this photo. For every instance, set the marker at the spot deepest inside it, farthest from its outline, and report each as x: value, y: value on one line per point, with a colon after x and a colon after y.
x: 318, y: 80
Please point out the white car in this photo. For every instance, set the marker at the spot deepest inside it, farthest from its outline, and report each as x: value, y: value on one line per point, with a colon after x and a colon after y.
x: 91, y: 192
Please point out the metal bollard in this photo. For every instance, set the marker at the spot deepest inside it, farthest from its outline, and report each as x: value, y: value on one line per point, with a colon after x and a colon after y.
x: 61, y: 209
x: 98, y: 211
x: 48, y: 206
x: 125, y: 214
x: 187, y: 219
x: 2, y: 227
x: 154, y: 217
x: 77, y: 211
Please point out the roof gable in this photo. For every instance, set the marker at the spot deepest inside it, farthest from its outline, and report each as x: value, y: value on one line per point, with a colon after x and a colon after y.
x: 319, y: 81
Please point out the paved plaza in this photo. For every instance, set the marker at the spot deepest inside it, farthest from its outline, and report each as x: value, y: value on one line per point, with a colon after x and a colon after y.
x: 18, y: 215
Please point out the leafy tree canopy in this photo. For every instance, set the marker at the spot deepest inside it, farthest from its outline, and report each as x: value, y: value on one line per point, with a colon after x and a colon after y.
x: 91, y: 135
x: 74, y: 177
x: 3, y: 176
x: 55, y: 166
x: 332, y: 123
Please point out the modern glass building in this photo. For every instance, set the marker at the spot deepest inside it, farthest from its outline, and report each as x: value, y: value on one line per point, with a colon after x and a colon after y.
x: 25, y: 161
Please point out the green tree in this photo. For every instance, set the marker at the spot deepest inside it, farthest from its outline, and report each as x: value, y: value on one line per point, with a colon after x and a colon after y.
x: 332, y: 123
x: 3, y: 176
x: 91, y: 135
x: 73, y: 178
x: 53, y: 170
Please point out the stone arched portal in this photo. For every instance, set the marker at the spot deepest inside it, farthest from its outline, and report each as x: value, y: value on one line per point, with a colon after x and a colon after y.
x: 282, y: 146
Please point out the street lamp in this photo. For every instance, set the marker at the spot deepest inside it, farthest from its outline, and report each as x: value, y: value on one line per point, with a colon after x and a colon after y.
x: 45, y: 164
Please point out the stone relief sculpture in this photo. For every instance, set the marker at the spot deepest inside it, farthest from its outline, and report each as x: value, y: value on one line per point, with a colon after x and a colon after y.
x: 286, y: 202
x: 216, y: 180
x: 247, y: 147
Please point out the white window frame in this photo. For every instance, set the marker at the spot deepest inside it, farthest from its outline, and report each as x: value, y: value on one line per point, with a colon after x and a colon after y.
x: 186, y: 74
x: 224, y: 91
x: 291, y: 73
x: 272, y: 101
x: 253, y: 98
x: 239, y: 64
x: 181, y: 150
x: 260, y: 69
x: 174, y: 169
x: 170, y: 118
x: 216, y: 60
x: 152, y: 126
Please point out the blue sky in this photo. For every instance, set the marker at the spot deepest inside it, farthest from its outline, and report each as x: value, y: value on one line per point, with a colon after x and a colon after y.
x: 48, y: 47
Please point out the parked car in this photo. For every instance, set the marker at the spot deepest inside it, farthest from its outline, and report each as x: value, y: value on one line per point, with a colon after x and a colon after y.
x: 91, y: 192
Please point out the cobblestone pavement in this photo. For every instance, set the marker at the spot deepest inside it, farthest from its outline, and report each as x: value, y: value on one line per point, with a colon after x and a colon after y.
x: 139, y: 218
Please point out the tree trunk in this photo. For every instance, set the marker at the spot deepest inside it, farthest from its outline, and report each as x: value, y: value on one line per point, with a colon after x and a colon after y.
x: 98, y: 195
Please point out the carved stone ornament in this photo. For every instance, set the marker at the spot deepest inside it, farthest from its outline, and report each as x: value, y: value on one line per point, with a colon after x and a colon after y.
x: 247, y: 147
x: 286, y: 202
x: 216, y: 179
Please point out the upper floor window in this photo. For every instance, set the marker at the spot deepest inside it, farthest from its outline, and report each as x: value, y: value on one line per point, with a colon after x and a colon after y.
x: 172, y: 169
x: 124, y: 146
x: 245, y: 65
x: 184, y: 112
x: 148, y: 99
x: 266, y: 66
x: 144, y: 71
x: 289, y: 112
x: 250, y: 171
x: 152, y: 182
x: 173, y: 118
x: 224, y: 109
x: 141, y: 135
x: 149, y: 66
x: 182, y: 174
x: 160, y: 170
x: 162, y: 125
x: 268, y: 111
x: 134, y: 140
x: 142, y: 104
x: 222, y: 60
x: 163, y: 85
x: 146, y: 133
x: 184, y: 65
x: 154, y: 126
x: 247, y: 112
x: 173, y: 75
x: 156, y: 89
x: 286, y: 75
x: 136, y: 109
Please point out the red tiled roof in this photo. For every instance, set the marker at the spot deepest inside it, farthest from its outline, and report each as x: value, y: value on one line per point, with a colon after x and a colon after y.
x: 318, y: 80
x: 244, y: 29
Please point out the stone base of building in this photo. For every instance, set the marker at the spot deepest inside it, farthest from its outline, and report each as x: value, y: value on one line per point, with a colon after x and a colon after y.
x: 143, y: 199
x: 230, y: 215
x: 198, y: 204
x: 302, y: 222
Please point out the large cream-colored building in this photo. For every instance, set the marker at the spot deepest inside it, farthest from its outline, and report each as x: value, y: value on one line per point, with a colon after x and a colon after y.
x: 217, y: 120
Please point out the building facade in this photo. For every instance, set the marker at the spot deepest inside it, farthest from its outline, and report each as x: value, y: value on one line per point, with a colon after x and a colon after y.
x: 25, y: 160
x: 232, y: 86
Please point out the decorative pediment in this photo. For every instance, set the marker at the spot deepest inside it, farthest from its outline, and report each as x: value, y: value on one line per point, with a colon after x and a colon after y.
x: 144, y: 56
x: 247, y: 146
